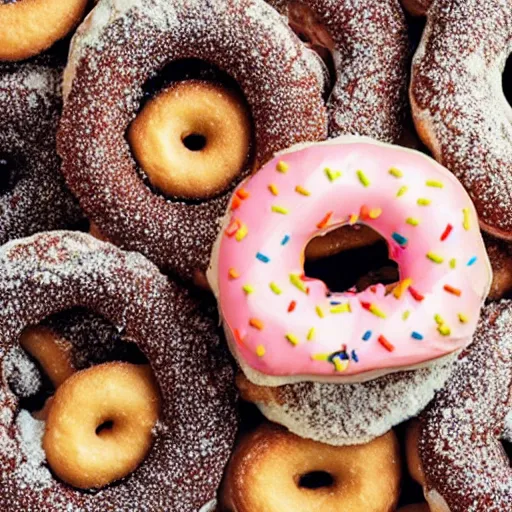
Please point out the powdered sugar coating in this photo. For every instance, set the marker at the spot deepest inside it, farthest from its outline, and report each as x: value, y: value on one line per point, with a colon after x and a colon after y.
x: 371, y: 54
x: 30, y: 104
x: 111, y: 60
x: 458, y: 103
x: 55, y: 271
x: 459, y: 445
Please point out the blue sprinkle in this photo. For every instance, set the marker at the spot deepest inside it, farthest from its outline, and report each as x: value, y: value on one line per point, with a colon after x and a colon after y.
x: 335, y: 302
x: 417, y: 336
x: 285, y: 240
x: 367, y: 335
x: 354, y: 356
x: 472, y: 261
x: 262, y: 257
x: 399, y: 239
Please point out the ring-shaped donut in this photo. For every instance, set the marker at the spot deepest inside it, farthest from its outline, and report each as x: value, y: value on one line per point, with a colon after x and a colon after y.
x: 31, y: 26
x: 370, y: 48
x: 284, y: 327
x: 281, y: 80
x: 54, y: 272
x: 458, y: 102
x: 33, y: 195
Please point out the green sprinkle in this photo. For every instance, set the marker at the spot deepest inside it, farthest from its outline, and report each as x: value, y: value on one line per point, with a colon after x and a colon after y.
x: 332, y: 175
x: 463, y: 319
x: 365, y: 181
x: 341, y: 308
x: 280, y: 209
x: 435, y: 257
x: 319, y: 312
x: 402, y: 191
x: 422, y: 201
x: 453, y: 263
x: 435, y: 184
x: 298, y: 282
x: 311, y: 334
x: 248, y: 289
x: 406, y: 315
x: 292, y: 339
x: 439, y: 319
x: 397, y: 173
x: 275, y: 288
x: 413, y: 221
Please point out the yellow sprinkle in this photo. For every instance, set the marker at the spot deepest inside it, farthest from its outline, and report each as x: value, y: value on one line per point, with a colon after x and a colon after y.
x: 241, y: 233
x: 311, y: 334
x: 341, y: 308
x: 435, y: 257
x: 302, y: 191
x: 275, y: 288
x: 377, y: 312
x: 320, y: 357
x: 282, y: 166
x: 444, y: 330
x: 453, y: 263
x: 332, y: 175
x: 401, y: 288
x: 439, y: 319
x: 435, y: 184
x: 260, y: 350
x: 375, y: 213
x: 279, y: 209
x: 319, y: 312
x: 413, y: 221
x: 406, y: 315
x: 397, y: 173
x: 466, y: 222
x: 353, y: 219
x: 248, y: 289
x: 340, y: 364
x: 463, y: 319
x: 292, y: 339
x: 298, y: 282
x: 422, y: 201
x: 402, y: 191
x: 273, y: 189
x: 365, y: 181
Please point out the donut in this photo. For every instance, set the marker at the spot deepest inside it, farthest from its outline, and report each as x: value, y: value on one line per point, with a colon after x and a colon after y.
x: 33, y: 195
x: 30, y: 27
x: 284, y: 327
x: 192, y: 125
x: 107, y: 412
x: 458, y: 103
x: 281, y: 81
x: 500, y: 254
x: 460, y: 435
x: 55, y: 272
x: 273, y: 470
x: 417, y: 7
x: 369, y: 45
x: 416, y: 507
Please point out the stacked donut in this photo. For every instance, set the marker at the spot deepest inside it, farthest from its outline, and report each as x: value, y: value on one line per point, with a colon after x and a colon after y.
x: 159, y: 158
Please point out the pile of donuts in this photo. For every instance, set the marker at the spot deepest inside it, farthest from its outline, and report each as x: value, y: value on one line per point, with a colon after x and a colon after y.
x: 256, y: 255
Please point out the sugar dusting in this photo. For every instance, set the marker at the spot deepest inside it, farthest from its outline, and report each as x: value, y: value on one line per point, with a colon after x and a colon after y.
x: 23, y: 375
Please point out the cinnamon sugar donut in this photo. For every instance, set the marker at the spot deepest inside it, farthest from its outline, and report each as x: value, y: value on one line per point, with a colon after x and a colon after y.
x: 53, y: 272
x: 458, y: 103
x: 29, y: 27
x: 463, y: 461
x: 33, y: 196
x: 120, y: 397
x: 273, y: 470
x: 116, y: 51
x: 370, y: 48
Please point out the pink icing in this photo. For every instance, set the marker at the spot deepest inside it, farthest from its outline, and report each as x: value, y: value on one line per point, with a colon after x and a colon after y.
x: 436, y: 316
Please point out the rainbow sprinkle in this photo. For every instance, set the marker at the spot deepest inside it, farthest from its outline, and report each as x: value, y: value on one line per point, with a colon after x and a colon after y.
x: 406, y: 315
x: 438, y: 319
x: 256, y: 323
x: 320, y: 357
x: 302, y: 191
x: 285, y: 239
x: 282, y: 167
x: 401, y: 288
x: 416, y: 335
x: 417, y: 296
x: 413, y: 221
x: 453, y: 263
x: 233, y: 227
x: 435, y: 258
x: 402, y: 191
x: 435, y: 184
x: 463, y: 319
x: 372, y: 308
x: 280, y: 209
x: 241, y: 233
x: 273, y: 189
x: 319, y: 312
x: 332, y: 175
x: 452, y: 290
x: 248, y: 289
x: 365, y: 181
x: 292, y: 339
x: 375, y: 213
x: 386, y: 344
x: 262, y: 257
x: 472, y: 261
x: 323, y: 223
x: 275, y: 288
x: 236, y: 203
x: 341, y: 308
x: 233, y: 273
x: 422, y: 201
x: 260, y: 351
x: 399, y: 239
x: 354, y: 357
x: 311, y: 334
x: 367, y: 335
x: 340, y: 364
x: 446, y: 232
x: 397, y: 173
x: 292, y: 306
x: 444, y: 330
x: 298, y: 283
x: 353, y: 218
x: 466, y: 222
x: 238, y: 337
x: 243, y: 194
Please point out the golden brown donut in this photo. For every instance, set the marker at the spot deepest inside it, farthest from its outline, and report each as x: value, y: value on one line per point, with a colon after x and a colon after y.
x: 99, y: 427
x: 411, y: 452
x: 273, y: 470
x: 31, y: 26
x: 192, y: 125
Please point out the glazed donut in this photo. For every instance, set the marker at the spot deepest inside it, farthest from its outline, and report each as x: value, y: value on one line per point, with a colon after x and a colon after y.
x: 53, y: 272
x: 33, y: 196
x: 30, y: 27
x: 283, y: 327
x: 459, y: 440
x: 370, y: 48
x: 500, y: 254
x: 458, y: 104
x: 192, y: 125
x: 122, y: 395
x: 273, y: 470
x: 281, y: 80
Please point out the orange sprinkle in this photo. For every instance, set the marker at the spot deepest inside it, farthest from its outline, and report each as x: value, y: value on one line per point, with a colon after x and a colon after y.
x: 242, y: 193
x: 273, y: 189
x: 292, y: 306
x: 238, y: 337
x: 235, y: 203
x: 325, y: 221
x: 386, y: 344
x: 452, y: 290
x: 365, y: 212
x: 256, y: 323
x: 233, y: 273
x: 233, y: 227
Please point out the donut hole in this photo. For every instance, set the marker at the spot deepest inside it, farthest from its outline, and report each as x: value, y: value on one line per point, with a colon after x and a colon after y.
x: 8, y: 173
x: 105, y: 428
x: 194, y: 141
x: 350, y: 257
x: 507, y: 80
x: 314, y: 480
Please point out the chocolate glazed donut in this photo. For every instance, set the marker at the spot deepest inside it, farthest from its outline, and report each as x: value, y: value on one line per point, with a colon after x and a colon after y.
x: 123, y: 45
x: 369, y: 45
x: 53, y: 272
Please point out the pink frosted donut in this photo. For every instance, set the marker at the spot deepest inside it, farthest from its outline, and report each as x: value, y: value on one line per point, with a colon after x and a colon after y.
x: 284, y: 327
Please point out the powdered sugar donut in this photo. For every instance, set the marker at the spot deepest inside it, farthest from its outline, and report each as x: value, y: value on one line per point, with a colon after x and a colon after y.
x: 33, y: 196
x: 369, y: 45
x: 282, y: 82
x: 284, y: 327
x: 56, y: 271
x: 458, y: 104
